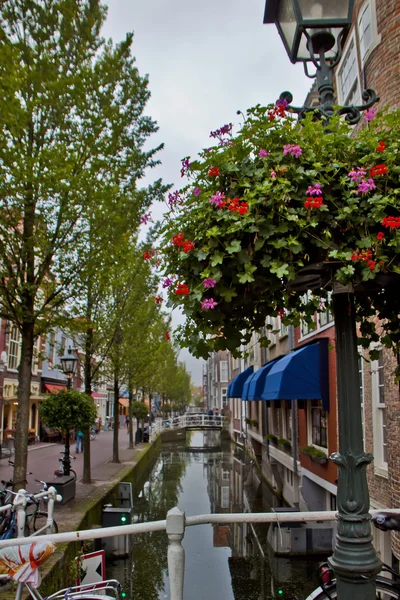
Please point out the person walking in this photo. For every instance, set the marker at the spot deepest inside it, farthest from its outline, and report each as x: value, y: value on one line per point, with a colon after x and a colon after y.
x: 79, y: 442
x: 127, y: 423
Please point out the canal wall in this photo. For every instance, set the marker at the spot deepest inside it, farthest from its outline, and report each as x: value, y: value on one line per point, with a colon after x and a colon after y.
x: 85, y: 512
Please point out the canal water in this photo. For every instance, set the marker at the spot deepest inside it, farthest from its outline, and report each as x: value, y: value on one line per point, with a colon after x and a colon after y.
x: 201, y: 475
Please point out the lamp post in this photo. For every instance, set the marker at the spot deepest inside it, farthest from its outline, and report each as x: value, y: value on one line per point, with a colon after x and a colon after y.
x: 314, y: 31
x: 68, y: 363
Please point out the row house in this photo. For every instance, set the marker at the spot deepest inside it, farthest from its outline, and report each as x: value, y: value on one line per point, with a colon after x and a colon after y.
x: 47, y: 377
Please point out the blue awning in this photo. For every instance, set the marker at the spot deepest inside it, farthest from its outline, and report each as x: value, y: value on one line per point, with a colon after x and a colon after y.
x: 235, y: 388
x: 254, y: 384
x: 300, y: 375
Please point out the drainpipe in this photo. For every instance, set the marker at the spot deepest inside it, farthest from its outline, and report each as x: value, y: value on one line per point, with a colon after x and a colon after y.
x: 294, y: 430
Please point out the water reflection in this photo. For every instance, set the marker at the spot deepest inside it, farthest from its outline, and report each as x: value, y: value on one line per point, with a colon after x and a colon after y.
x: 201, y: 476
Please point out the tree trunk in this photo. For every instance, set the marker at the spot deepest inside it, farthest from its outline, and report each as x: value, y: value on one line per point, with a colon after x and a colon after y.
x: 130, y: 426
x: 87, y: 474
x: 116, y: 418
x: 24, y: 392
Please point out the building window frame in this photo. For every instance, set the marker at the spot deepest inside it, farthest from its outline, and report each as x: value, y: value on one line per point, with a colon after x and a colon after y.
x: 375, y: 37
x: 224, y: 397
x: 379, y: 413
x: 224, y: 373
x: 317, y: 419
x: 14, y: 349
x: 353, y: 94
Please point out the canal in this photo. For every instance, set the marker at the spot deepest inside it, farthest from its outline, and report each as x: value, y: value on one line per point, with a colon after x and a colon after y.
x: 201, y: 475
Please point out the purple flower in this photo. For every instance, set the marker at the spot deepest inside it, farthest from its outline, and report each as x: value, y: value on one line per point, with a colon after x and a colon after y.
x: 208, y: 303
x: 365, y: 186
x: 217, y: 199
x: 185, y: 166
x: 219, y: 134
x: 357, y: 176
x: 292, y: 149
x: 263, y: 153
x: 145, y: 218
x: 197, y: 191
x: 314, y: 190
x: 167, y: 282
x: 369, y: 115
x: 173, y: 199
x: 282, y: 103
x: 209, y: 283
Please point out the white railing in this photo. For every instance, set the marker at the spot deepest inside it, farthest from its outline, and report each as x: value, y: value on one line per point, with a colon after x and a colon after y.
x: 195, y: 420
x: 175, y: 525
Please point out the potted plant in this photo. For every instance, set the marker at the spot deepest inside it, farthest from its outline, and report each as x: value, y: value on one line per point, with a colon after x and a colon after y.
x: 315, y: 454
x: 272, y: 438
x: 286, y: 444
x: 254, y: 423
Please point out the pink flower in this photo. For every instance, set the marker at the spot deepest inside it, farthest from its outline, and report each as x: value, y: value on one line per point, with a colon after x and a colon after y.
x: 209, y: 303
x: 263, y: 153
x: 145, y: 218
x: 273, y: 174
x: 357, y: 176
x: 369, y: 115
x: 197, y: 191
x: 365, y: 186
x: 218, y: 199
x: 167, y: 282
x: 292, y: 149
x: 209, y: 283
x: 314, y: 190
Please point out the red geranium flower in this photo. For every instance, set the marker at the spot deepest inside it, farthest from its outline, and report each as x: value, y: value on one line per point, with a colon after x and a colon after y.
x: 391, y: 222
x: 167, y: 336
x: 380, y: 236
x: 182, y: 289
x: 381, y: 147
x: 188, y: 246
x: 158, y: 299
x: 379, y: 170
x: 214, y: 172
x: 146, y: 255
x: 312, y: 202
x: 178, y: 239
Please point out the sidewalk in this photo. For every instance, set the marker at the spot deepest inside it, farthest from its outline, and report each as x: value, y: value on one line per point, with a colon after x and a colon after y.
x: 43, y: 460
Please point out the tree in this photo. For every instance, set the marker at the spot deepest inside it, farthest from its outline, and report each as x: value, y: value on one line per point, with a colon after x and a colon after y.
x: 68, y: 409
x: 279, y: 209
x: 72, y: 132
x: 139, y: 411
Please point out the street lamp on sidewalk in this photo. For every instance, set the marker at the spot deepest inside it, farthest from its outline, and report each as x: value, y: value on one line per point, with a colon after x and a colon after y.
x: 68, y: 364
x: 314, y: 31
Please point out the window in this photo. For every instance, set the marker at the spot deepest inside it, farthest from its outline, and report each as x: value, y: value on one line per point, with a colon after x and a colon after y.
x: 333, y: 502
x: 348, y: 77
x: 367, y: 29
x: 272, y: 336
x: 51, y: 350
x: 14, y: 349
x: 319, y: 430
x: 326, y: 316
x: 305, y: 327
x: 225, y: 496
x: 381, y: 406
x: 224, y: 371
x: 63, y: 345
x: 35, y: 356
x: 283, y: 329
x: 288, y: 420
x: 224, y: 398
x: 361, y: 379
x: 289, y: 477
x: 275, y: 418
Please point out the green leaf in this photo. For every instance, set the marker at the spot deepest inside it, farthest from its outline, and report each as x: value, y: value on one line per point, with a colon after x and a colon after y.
x: 227, y: 294
x: 216, y: 259
x: 279, y: 269
x: 233, y: 247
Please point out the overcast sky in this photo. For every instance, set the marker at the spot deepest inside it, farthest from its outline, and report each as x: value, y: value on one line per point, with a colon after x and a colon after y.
x: 205, y: 60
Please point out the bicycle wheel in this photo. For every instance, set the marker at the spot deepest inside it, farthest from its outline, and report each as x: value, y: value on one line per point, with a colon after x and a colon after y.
x: 40, y: 523
x: 384, y: 591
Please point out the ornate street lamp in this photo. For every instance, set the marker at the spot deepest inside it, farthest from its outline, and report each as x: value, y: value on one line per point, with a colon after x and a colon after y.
x: 314, y: 31
x: 69, y: 363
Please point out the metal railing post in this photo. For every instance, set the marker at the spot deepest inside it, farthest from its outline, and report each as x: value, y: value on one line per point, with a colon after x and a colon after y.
x: 176, y: 553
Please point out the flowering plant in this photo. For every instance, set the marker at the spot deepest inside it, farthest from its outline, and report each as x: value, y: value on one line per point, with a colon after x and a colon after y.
x: 279, y: 197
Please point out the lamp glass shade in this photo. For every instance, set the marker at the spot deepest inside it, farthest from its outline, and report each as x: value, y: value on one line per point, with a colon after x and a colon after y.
x: 298, y: 20
x: 69, y: 362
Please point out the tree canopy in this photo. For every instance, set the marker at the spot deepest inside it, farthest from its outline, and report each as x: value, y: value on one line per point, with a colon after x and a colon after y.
x: 278, y: 209
x: 68, y: 409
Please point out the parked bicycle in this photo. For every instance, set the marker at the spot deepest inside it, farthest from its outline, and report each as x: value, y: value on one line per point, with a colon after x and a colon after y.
x: 60, y: 471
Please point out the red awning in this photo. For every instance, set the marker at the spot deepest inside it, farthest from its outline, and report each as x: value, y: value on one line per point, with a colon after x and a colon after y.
x: 97, y: 395
x: 53, y: 388
x: 124, y: 402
